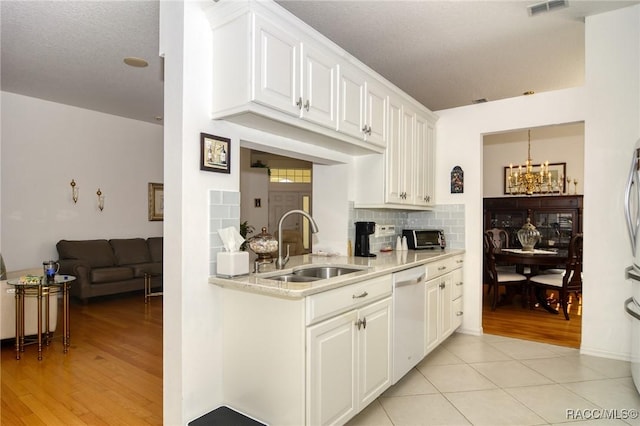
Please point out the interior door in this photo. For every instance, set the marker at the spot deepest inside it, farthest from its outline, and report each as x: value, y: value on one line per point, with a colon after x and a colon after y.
x: 281, y: 202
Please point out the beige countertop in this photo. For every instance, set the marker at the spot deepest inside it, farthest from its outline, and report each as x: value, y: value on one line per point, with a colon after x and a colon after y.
x: 383, y: 263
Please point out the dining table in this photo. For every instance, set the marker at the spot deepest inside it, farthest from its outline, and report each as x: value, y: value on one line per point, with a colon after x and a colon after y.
x: 537, y: 259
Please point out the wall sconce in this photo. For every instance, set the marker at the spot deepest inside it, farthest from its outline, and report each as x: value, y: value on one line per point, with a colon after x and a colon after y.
x: 74, y: 191
x: 100, y: 199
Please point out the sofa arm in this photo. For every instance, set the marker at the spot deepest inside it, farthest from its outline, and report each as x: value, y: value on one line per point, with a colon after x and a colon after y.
x: 82, y: 271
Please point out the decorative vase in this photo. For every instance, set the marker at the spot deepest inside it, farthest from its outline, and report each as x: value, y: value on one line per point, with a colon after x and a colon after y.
x: 264, y: 245
x: 529, y: 236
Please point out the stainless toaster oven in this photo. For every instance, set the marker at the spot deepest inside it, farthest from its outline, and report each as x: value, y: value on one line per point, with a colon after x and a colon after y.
x: 418, y: 239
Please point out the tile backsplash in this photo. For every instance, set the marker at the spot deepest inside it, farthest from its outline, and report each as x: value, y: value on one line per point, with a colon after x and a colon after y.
x: 224, y: 211
x: 449, y: 218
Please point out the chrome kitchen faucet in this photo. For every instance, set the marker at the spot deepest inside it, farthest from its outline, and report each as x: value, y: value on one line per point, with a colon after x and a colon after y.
x: 280, y: 262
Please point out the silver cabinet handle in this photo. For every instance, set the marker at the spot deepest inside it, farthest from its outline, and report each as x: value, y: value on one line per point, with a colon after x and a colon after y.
x: 361, y: 295
x: 442, y: 285
x: 459, y: 313
x: 460, y: 261
x: 460, y: 283
x: 441, y: 268
x: 369, y: 130
x: 306, y: 105
x: 361, y: 323
x: 364, y: 129
x: 364, y: 322
x: 299, y: 103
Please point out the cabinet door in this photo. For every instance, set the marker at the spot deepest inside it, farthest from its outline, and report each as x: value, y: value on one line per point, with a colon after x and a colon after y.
x: 319, y: 91
x: 374, y: 355
x: 446, y: 310
x: 351, y: 101
x: 394, y: 154
x: 277, y: 67
x: 432, y: 313
x: 376, y: 114
x: 424, y: 150
x: 332, y: 370
x: 419, y: 158
x: 408, y: 153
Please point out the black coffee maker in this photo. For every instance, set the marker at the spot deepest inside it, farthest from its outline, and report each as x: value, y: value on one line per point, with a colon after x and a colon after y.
x: 363, y: 230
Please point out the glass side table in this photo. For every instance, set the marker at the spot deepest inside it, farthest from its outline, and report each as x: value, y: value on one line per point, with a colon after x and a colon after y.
x: 61, y: 284
x: 147, y: 286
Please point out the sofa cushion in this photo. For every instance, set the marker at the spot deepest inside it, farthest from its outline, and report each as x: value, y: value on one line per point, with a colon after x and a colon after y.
x: 155, y: 248
x: 114, y: 273
x: 139, y: 269
x: 130, y: 250
x: 98, y: 253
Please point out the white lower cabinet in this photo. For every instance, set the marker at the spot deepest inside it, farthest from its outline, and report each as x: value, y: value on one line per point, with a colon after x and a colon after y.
x: 349, y: 362
x: 443, y: 313
x: 318, y: 360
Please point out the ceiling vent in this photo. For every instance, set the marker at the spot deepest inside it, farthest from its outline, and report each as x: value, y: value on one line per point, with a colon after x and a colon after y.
x: 547, y: 6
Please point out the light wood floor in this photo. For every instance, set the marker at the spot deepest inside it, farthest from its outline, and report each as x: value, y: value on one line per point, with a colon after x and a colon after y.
x: 512, y: 320
x: 112, y: 374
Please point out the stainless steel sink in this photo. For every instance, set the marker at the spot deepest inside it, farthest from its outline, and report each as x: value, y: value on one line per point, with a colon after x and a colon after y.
x: 292, y: 278
x: 313, y: 273
x: 324, y: 272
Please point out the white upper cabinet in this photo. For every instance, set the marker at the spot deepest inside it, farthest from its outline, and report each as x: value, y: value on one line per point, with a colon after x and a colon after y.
x: 424, y: 164
x: 363, y: 106
x: 292, y: 76
x: 273, y: 72
x: 318, y: 100
x: 277, y: 72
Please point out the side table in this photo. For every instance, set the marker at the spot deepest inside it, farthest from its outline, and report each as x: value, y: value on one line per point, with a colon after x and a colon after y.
x: 61, y: 283
x: 147, y: 286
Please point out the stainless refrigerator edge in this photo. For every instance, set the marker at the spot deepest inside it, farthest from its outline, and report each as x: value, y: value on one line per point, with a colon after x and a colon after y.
x: 632, y: 304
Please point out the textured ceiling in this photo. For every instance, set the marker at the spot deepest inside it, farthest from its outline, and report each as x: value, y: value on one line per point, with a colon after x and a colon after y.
x: 443, y: 53
x: 72, y: 52
x: 450, y: 53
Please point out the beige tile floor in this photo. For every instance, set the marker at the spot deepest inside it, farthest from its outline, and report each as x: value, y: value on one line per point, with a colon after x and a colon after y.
x: 493, y: 380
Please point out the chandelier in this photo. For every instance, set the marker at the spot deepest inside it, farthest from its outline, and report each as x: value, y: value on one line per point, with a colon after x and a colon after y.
x: 526, y: 181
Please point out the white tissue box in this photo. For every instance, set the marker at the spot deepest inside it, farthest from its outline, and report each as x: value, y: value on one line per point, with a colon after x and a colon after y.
x: 231, y: 264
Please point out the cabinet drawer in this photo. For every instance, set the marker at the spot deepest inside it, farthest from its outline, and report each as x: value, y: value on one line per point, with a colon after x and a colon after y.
x: 457, y: 282
x: 457, y: 311
x: 441, y: 267
x: 333, y: 302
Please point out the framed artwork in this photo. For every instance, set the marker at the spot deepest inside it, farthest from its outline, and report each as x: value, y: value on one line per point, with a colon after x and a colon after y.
x: 215, y: 153
x: 558, y: 173
x: 156, y: 201
x: 457, y: 180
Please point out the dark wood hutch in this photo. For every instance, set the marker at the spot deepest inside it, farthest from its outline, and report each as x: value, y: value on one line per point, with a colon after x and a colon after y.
x: 557, y: 217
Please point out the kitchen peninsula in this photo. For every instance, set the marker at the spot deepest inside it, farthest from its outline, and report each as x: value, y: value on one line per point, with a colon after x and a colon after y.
x: 319, y: 352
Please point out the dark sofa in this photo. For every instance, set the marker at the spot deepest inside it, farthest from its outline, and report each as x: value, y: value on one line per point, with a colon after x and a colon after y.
x: 104, y: 267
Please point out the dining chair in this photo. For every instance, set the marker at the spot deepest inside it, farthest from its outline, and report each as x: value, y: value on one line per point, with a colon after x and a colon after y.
x: 500, y: 239
x: 496, y: 277
x: 567, y: 280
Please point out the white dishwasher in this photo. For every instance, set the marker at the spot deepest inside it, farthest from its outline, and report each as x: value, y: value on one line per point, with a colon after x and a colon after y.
x: 408, y: 319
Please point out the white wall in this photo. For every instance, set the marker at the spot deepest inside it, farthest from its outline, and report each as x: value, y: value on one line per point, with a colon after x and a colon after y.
x: 609, y: 104
x: 611, y: 129
x: 556, y: 144
x: 460, y: 142
x: 44, y: 146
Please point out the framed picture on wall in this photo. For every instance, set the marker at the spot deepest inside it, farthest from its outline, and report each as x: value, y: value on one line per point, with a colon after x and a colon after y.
x: 215, y: 153
x: 156, y: 201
